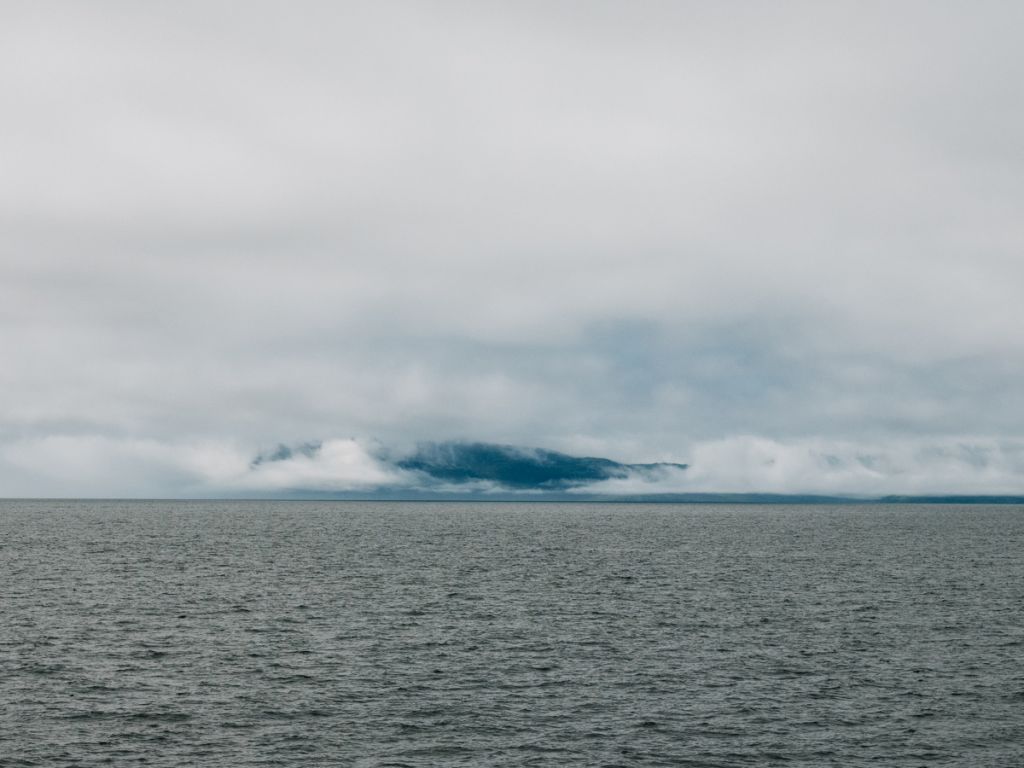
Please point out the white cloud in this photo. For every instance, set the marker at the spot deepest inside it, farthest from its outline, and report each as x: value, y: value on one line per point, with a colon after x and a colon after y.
x: 750, y: 464
x: 102, y: 466
x: 338, y: 465
x: 91, y: 465
x: 97, y: 465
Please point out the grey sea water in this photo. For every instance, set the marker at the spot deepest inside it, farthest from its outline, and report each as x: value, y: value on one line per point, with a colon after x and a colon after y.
x: 406, y: 634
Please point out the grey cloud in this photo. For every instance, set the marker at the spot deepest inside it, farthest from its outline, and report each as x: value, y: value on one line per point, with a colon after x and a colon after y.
x: 577, y: 225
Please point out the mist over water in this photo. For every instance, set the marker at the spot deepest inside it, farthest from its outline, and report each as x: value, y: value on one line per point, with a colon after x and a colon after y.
x: 411, y: 634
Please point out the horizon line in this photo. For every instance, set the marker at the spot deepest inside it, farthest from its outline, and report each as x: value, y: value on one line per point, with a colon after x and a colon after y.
x: 752, y: 498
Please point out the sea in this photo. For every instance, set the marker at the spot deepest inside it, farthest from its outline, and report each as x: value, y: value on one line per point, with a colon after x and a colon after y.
x: 278, y: 633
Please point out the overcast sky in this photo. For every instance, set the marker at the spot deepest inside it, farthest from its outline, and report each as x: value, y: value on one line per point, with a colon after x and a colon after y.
x: 783, y: 242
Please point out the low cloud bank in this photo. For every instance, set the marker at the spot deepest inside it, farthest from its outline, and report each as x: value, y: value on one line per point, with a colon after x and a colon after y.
x: 982, y: 466
x: 332, y: 465
x: 107, y: 466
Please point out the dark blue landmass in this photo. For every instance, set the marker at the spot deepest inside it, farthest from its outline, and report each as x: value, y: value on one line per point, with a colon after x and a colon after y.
x: 518, y: 468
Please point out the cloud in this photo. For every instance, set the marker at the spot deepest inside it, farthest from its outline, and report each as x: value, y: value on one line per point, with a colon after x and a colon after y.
x: 334, y: 465
x: 91, y: 465
x: 99, y: 466
x: 907, y: 466
x: 631, y: 231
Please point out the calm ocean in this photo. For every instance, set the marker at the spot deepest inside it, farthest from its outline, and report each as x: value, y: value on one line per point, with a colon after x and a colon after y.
x: 442, y: 634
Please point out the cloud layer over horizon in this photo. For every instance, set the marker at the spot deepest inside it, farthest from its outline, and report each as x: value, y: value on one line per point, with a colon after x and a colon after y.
x: 781, y: 243
x: 90, y: 466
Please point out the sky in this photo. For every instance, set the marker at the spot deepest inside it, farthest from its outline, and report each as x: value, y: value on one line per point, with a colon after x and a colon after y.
x: 782, y: 243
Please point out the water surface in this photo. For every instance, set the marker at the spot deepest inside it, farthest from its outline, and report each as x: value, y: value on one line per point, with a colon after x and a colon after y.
x: 406, y: 634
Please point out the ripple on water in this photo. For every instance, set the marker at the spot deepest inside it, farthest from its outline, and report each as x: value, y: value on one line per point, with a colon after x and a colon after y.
x: 241, y: 634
